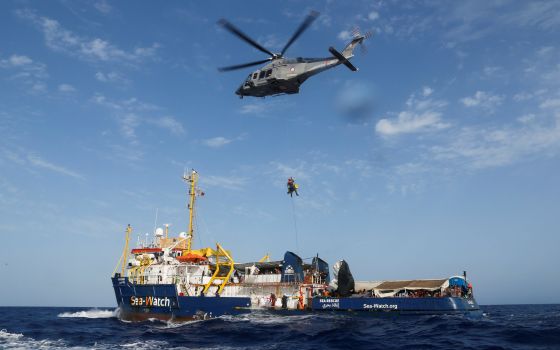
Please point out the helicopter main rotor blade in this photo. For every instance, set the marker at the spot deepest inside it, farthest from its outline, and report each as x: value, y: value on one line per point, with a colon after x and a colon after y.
x: 306, y: 23
x: 239, y: 66
x: 243, y: 36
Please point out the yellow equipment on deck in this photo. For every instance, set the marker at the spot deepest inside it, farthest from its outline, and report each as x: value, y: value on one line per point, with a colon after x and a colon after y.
x: 224, y: 262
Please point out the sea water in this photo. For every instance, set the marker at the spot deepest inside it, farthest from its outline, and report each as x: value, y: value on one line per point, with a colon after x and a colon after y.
x: 498, y: 327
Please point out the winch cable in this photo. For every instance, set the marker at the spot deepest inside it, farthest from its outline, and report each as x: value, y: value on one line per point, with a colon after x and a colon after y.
x: 200, y: 219
x: 295, y: 224
x: 198, y: 229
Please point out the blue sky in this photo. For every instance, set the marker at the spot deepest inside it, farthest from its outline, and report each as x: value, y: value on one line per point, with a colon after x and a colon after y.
x: 439, y: 155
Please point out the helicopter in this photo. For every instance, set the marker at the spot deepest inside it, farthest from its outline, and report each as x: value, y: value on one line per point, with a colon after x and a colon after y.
x: 282, y: 75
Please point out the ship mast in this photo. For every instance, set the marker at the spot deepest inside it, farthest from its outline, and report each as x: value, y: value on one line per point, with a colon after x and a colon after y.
x: 125, y: 251
x: 191, y: 180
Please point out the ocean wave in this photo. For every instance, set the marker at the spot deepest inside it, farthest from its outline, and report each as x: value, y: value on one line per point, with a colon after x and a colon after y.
x: 149, y: 344
x: 266, y: 318
x: 533, y: 327
x: 14, y: 341
x: 5, y: 335
x: 92, y: 313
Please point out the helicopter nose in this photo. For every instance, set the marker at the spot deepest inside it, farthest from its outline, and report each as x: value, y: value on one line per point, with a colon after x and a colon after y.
x: 238, y: 91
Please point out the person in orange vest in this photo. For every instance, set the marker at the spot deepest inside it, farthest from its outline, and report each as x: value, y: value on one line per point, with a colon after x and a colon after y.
x: 292, y: 187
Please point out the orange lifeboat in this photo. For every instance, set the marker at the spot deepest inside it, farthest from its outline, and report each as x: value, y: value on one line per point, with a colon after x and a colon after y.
x: 190, y: 257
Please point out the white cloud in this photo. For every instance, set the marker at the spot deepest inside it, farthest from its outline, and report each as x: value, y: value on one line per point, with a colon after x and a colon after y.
x: 66, y: 88
x: 541, y: 14
x: 130, y: 114
x: 360, y: 166
x: 32, y: 74
x: 169, y: 123
x: 230, y: 183
x: 421, y: 115
x: 408, y: 122
x: 110, y: 77
x: 220, y: 141
x: 128, y: 124
x: 536, y: 134
x: 345, y: 35
x: 42, y: 163
x: 17, y: 60
x: 26, y: 158
x: 132, y: 104
x: 552, y: 74
x: 491, y: 70
x: 545, y: 51
x: 527, y: 118
x: 373, y: 15
x: 217, y: 142
x: 271, y: 42
x: 427, y: 91
x: 298, y: 171
x: 253, y: 108
x: 39, y: 87
x: 523, y: 96
x: 478, y: 148
x: 103, y: 6
x: 483, y: 100
x: 551, y: 103
x: 60, y: 39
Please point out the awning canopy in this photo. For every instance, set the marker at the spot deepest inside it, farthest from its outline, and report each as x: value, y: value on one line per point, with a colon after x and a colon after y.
x: 412, y: 284
x: 260, y: 265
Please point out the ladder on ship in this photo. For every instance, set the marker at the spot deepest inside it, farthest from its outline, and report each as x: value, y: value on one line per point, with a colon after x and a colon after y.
x: 224, y: 270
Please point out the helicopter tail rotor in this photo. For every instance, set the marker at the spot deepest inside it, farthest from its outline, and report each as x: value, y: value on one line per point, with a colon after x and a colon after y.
x: 356, y: 34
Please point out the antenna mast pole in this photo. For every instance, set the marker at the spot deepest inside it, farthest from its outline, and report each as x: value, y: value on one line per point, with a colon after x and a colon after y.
x: 191, y: 179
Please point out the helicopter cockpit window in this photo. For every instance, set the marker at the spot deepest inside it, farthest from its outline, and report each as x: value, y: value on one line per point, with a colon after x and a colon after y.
x: 255, y: 75
x: 268, y: 73
x: 261, y: 74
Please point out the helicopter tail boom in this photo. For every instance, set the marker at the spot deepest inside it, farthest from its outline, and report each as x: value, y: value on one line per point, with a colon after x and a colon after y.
x: 348, y: 51
x: 342, y: 59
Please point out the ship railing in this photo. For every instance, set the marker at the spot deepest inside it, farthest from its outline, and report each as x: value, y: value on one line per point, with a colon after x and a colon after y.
x: 263, y: 278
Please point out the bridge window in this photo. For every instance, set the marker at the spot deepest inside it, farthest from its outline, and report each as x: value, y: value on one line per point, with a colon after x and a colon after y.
x: 261, y: 75
x: 268, y: 73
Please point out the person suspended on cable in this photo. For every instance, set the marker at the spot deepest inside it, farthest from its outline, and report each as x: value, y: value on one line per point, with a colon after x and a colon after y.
x: 292, y: 187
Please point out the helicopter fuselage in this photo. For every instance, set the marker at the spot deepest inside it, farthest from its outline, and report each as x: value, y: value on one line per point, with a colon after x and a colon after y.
x: 284, y: 76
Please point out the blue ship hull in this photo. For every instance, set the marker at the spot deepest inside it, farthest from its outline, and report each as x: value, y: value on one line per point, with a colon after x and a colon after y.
x: 428, y: 305
x: 161, y: 301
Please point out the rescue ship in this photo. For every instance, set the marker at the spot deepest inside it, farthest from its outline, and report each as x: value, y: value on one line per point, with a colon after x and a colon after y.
x: 169, y: 280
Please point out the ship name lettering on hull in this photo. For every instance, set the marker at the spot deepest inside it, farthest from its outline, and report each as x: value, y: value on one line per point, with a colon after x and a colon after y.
x: 380, y: 306
x: 149, y: 301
